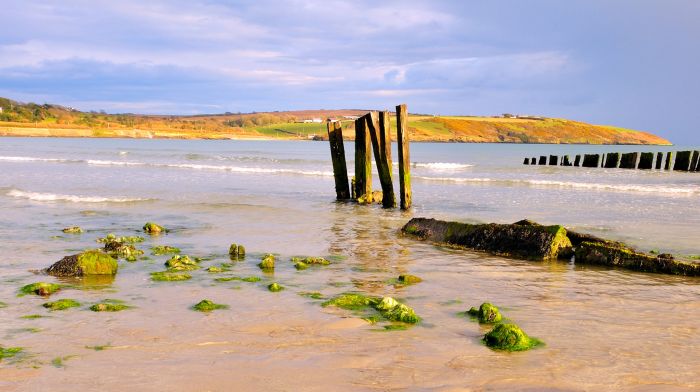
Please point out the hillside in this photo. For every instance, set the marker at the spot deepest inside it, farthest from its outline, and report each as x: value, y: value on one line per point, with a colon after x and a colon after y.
x: 18, y: 119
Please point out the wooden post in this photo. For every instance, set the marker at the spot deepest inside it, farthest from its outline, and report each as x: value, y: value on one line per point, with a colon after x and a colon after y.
x: 404, y: 156
x: 553, y: 160
x: 577, y: 160
x: 669, y: 160
x: 629, y: 160
x: 381, y: 144
x: 340, y: 169
x: 659, y: 158
x: 543, y: 160
x: 363, y: 161
x: 682, y: 161
x: 694, y: 161
x: 612, y: 161
x: 646, y: 161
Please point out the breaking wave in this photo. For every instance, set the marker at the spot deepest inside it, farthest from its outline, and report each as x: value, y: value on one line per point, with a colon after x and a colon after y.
x: 37, y: 196
x: 442, y: 165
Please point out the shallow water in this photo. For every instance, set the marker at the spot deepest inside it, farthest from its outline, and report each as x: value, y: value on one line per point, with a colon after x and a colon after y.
x: 603, y: 328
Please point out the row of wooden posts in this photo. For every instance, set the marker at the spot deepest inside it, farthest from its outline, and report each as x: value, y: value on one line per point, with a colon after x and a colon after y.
x: 684, y: 160
x: 372, y: 134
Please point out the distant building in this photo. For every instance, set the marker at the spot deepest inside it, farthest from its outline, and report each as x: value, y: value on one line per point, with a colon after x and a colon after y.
x: 316, y: 120
x: 351, y: 117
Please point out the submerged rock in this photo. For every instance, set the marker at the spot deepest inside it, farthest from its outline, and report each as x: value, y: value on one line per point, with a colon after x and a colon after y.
x: 302, y: 263
x: 164, y: 250
x: 215, y: 270
x: 615, y: 254
x: 40, y: 288
x: 236, y: 251
x: 125, y: 239
x: 409, y: 279
x: 206, y: 305
x: 168, y: 276
x: 62, y: 304
x: 152, y: 228
x: 509, y: 337
x: 394, y: 310
x: 487, y: 313
x: 350, y: 301
x: 91, y: 262
x: 274, y: 287
x: 108, y: 307
x: 72, y: 230
x: 181, y: 263
x: 123, y: 250
x: 268, y: 262
x: 534, y: 242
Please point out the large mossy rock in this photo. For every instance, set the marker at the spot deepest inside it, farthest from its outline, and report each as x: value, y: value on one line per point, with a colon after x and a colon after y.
x: 527, y: 241
x: 487, y: 313
x: 91, y: 262
x: 616, y: 254
x: 509, y: 337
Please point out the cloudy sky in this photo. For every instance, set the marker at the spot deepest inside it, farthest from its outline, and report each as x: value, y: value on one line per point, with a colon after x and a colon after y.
x: 632, y: 63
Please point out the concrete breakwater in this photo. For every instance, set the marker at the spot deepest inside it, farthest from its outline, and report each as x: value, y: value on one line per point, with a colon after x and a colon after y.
x: 688, y: 161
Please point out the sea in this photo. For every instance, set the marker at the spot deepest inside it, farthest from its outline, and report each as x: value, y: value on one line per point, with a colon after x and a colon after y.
x: 603, y: 328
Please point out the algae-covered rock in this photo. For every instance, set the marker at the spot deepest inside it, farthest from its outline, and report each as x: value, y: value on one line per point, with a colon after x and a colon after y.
x: 62, y: 304
x: 394, y: 310
x: 125, y: 239
x: 300, y: 265
x: 311, y: 294
x: 236, y: 251
x: 9, y: 352
x: 72, y: 230
x: 40, y: 288
x: 274, y: 287
x: 487, y: 313
x: 164, y: 250
x: 108, y: 307
x: 123, y: 250
x: 533, y: 242
x: 152, y: 228
x: 615, y: 254
x: 215, y: 270
x: 206, y: 305
x: 181, y: 263
x: 409, y: 279
x: 251, y: 279
x: 509, y: 337
x: 91, y: 262
x: 268, y: 262
x: 350, y: 301
x: 168, y: 276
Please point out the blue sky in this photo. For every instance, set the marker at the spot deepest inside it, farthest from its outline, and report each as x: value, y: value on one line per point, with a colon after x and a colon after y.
x: 632, y: 63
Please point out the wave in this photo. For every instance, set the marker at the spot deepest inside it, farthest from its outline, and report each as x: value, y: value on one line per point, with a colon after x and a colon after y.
x: 442, y: 165
x: 235, y: 169
x: 573, y: 185
x: 34, y: 159
x: 37, y: 196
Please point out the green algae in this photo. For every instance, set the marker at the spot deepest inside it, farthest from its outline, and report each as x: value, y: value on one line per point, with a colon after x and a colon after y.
x: 122, y: 250
x: 108, y: 306
x: 39, y: 288
x: 62, y: 304
x: 311, y: 294
x: 275, y: 287
x: 124, y: 239
x: 32, y: 316
x: 409, y: 279
x: 9, y: 352
x: 311, y: 260
x: 164, y: 250
x: 248, y: 279
x: 99, y: 347
x: 181, y: 263
x: 94, y: 262
x: 2, y: 305
x: 350, y: 301
x: 509, y: 337
x: 206, y: 305
x: 72, y: 230
x: 396, y: 327
x: 58, y: 362
x: 215, y: 270
x: 389, y: 308
x: 268, y: 262
x: 236, y: 251
x: 300, y: 265
x: 251, y: 279
x: 394, y: 310
x: 169, y: 276
x: 486, y: 314
x: 153, y: 228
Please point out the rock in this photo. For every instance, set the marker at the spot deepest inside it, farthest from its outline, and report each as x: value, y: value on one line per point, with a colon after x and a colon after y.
x: 509, y: 337
x: 377, y: 197
x: 268, y: 262
x: 533, y: 242
x: 168, y: 276
x: 206, y: 305
x: 275, y: 287
x: 487, y: 313
x: 62, y: 304
x: 409, y: 279
x: 40, y: 288
x: 236, y: 251
x: 123, y: 250
x: 152, y: 228
x: 394, y: 310
x: 350, y: 301
x: 91, y: 262
x: 215, y: 270
x: 615, y: 254
x: 164, y: 250
x: 181, y: 263
x: 108, y: 307
x: 302, y: 263
x: 128, y: 240
x: 72, y: 230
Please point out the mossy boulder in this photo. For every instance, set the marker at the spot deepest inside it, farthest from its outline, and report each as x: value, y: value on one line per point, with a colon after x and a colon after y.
x: 62, y: 304
x: 350, y: 301
x: 169, y: 276
x: 394, y: 310
x: 268, y: 262
x: 206, y: 305
x: 123, y: 250
x: 275, y: 287
x: 125, y: 239
x: 215, y: 270
x: 409, y: 279
x: 181, y: 263
x: 72, y: 230
x: 153, y: 228
x: 164, y: 250
x: 108, y: 307
x: 236, y: 251
x: 91, y: 262
x: 487, y: 313
x: 509, y: 337
x: 615, y: 254
x: 40, y: 288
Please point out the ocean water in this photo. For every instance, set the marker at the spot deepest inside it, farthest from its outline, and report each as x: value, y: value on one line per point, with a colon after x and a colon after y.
x: 603, y: 328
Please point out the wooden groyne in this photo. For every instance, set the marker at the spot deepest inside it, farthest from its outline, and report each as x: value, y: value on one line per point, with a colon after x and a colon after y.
x: 373, y: 136
x: 687, y: 161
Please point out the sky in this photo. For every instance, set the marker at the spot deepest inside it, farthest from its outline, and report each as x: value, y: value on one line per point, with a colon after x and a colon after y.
x: 630, y: 63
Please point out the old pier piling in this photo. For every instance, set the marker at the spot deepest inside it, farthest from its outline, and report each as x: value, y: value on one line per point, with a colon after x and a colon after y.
x: 591, y: 160
x: 543, y: 160
x: 682, y: 161
x: 340, y: 169
x: 404, y: 157
x: 553, y: 160
x: 577, y: 161
x: 659, y: 159
x: 381, y: 145
x: 646, y: 161
x: 612, y: 161
x: 629, y: 160
x: 363, y: 161
x: 688, y: 161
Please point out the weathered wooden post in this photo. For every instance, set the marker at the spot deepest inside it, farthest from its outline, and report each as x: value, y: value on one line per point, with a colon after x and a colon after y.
x: 694, y: 161
x: 566, y: 161
x: 591, y: 160
x: 577, y: 160
x: 629, y: 160
x: 533, y: 161
x: 659, y: 159
x: 363, y: 160
x: 646, y: 161
x: 669, y: 160
x: 404, y: 156
x: 612, y: 161
x: 526, y: 161
x: 553, y: 160
x: 543, y: 160
x: 340, y: 169
x: 381, y: 144
x: 682, y: 161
